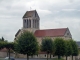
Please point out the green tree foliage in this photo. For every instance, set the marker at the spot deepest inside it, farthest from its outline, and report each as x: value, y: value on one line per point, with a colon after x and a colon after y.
x: 27, y: 44
x: 47, y: 46
x: 59, y: 47
x: 2, y: 39
x: 68, y: 48
x: 9, y: 46
x: 2, y: 44
x: 74, y: 48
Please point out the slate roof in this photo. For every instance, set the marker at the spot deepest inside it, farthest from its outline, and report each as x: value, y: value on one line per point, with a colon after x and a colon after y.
x: 50, y: 32
x: 29, y: 13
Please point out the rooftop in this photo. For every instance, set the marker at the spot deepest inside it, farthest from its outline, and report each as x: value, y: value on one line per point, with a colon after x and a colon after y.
x: 50, y: 32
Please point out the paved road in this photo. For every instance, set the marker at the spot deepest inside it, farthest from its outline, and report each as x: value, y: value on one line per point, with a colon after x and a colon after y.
x: 32, y: 59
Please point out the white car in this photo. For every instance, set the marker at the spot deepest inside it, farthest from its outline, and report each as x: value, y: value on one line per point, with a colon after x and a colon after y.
x: 11, y: 58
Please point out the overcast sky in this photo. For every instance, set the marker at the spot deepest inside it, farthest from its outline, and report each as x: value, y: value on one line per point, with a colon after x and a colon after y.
x: 52, y: 13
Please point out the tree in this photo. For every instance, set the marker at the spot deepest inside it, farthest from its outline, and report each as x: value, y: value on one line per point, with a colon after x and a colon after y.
x: 74, y: 48
x: 59, y: 47
x: 2, y: 39
x: 68, y: 48
x: 27, y: 44
x: 9, y: 46
x: 2, y: 44
x: 47, y: 46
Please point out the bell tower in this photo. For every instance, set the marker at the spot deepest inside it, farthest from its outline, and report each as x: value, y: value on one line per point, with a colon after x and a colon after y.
x: 31, y: 21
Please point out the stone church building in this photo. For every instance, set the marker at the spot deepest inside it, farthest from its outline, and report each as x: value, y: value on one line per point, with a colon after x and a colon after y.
x: 31, y: 22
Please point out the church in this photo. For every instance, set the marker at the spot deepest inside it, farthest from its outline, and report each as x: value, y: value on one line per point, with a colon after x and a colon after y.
x: 31, y: 22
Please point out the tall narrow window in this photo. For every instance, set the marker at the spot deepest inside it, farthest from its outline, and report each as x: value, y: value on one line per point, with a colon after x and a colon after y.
x: 36, y: 23
x: 30, y: 23
x: 33, y: 23
x: 27, y: 23
x: 35, y: 13
x: 24, y: 24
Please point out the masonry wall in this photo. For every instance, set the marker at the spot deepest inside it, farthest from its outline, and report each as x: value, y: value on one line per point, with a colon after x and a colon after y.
x: 35, y: 56
x: 39, y: 39
x: 4, y: 54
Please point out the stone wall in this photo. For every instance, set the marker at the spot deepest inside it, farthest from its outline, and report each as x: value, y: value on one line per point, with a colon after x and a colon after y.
x: 4, y: 54
x: 35, y: 56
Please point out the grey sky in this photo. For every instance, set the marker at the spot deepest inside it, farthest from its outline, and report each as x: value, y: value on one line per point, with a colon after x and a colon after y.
x: 53, y: 14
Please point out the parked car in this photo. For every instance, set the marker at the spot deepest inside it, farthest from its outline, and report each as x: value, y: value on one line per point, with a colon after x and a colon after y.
x: 11, y: 58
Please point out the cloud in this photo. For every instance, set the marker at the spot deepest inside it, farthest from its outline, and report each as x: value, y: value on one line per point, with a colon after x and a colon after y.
x: 71, y: 23
x: 69, y: 10
x: 53, y: 14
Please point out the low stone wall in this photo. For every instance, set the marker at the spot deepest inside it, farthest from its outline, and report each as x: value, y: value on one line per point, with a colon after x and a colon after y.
x: 69, y: 58
x: 4, y: 54
x: 77, y: 57
x: 35, y: 56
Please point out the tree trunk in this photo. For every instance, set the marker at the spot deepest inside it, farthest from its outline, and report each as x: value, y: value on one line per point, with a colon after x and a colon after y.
x: 27, y: 57
x: 50, y: 55
x: 32, y: 56
x: 59, y: 56
x: 66, y: 57
x: 47, y: 56
x: 72, y: 57
x: 9, y: 54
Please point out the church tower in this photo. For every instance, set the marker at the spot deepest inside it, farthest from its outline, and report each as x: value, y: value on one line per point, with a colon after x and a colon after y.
x: 31, y: 21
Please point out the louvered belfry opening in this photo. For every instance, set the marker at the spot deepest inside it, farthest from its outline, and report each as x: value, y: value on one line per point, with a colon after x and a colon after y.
x: 31, y: 20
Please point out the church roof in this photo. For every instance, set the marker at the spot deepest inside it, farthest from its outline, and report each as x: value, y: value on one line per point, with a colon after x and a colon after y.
x: 17, y: 32
x: 50, y: 32
x: 29, y: 13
